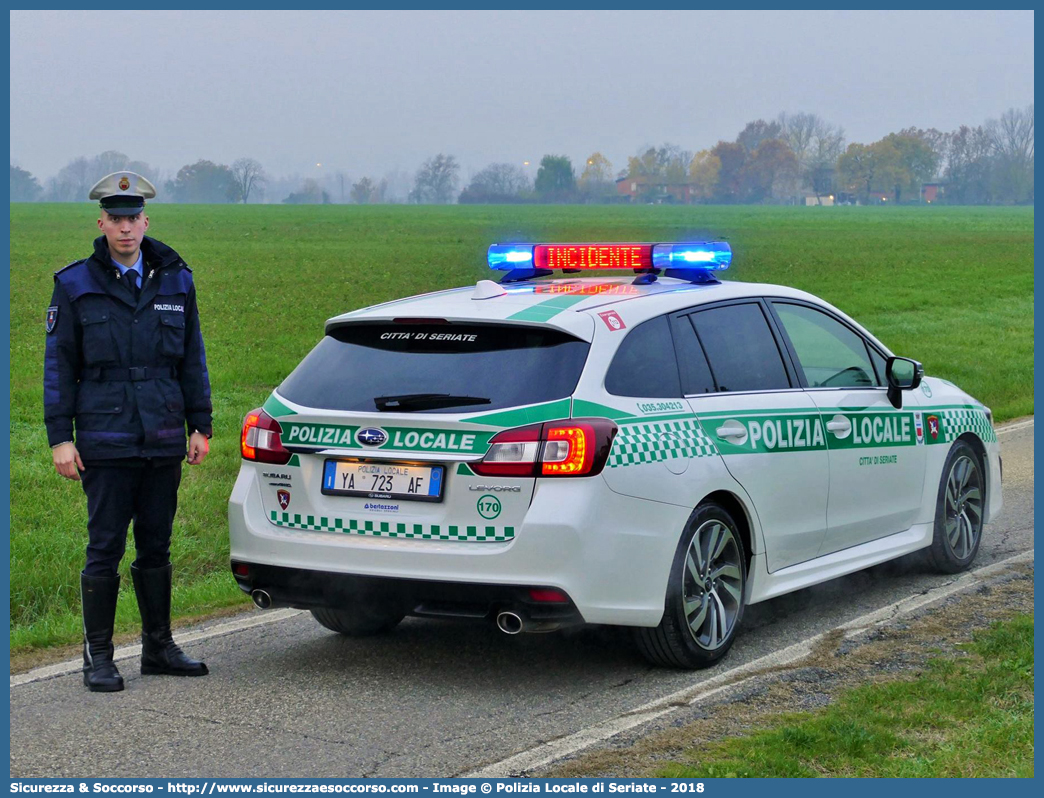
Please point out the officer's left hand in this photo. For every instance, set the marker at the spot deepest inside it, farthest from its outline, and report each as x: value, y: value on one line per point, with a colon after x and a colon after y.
x: 198, y: 448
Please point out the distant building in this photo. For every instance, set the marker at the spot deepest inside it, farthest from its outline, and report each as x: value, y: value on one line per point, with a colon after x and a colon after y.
x: 641, y: 189
x: 812, y: 199
x: 930, y: 192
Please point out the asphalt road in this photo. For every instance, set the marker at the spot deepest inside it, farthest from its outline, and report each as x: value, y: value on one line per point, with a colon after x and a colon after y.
x: 289, y: 699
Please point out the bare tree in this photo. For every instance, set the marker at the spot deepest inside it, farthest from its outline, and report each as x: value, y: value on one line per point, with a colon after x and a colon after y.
x: 1013, y: 134
x: 108, y: 162
x: 799, y: 130
x: 1012, y: 140
x: 72, y: 183
x: 498, y: 182
x: 436, y: 181
x: 817, y: 145
x: 968, y: 166
x: 248, y: 176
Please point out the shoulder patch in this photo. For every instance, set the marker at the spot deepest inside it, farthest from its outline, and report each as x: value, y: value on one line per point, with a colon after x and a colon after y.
x: 51, y: 319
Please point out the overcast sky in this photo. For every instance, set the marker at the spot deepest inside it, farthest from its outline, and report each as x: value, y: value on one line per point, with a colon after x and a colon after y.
x: 368, y: 92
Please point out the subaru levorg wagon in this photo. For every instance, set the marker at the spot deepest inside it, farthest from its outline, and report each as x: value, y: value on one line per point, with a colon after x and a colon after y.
x: 650, y: 447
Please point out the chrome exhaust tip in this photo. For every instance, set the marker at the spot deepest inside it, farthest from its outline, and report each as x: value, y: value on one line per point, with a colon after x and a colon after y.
x: 510, y: 623
x: 261, y: 599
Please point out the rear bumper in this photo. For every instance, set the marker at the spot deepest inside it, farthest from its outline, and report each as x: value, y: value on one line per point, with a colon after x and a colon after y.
x: 610, y: 554
x: 308, y: 589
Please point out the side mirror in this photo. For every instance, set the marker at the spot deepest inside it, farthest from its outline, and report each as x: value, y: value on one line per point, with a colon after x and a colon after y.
x: 902, y: 374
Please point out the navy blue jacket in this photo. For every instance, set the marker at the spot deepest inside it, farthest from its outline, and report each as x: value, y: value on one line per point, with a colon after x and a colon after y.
x: 129, y: 373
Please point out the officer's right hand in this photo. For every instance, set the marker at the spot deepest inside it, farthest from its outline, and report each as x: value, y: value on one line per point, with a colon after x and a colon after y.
x: 67, y: 461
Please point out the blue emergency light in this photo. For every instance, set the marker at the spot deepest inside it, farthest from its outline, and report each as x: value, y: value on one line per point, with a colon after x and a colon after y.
x: 705, y: 256
x: 504, y: 257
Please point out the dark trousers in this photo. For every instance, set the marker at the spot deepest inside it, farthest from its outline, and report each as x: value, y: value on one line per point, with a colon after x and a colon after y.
x: 141, y: 490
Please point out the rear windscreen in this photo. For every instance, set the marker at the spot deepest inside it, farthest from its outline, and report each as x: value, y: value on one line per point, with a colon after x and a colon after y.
x: 394, y: 367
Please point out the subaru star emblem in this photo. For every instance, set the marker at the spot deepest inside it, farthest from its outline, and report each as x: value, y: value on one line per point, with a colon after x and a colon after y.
x: 371, y: 436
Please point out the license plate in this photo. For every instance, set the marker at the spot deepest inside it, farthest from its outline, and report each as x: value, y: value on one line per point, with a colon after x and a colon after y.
x: 383, y: 480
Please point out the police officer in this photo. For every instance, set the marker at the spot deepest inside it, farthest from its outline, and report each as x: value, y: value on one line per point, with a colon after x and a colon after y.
x: 125, y: 368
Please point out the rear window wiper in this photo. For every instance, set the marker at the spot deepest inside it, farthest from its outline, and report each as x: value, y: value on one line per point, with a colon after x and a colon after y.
x: 425, y: 401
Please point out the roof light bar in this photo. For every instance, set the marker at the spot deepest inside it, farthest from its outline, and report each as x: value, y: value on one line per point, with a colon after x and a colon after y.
x: 700, y: 256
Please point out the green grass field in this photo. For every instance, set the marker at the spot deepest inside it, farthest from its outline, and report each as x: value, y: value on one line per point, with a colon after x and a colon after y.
x: 971, y: 716
x: 952, y: 287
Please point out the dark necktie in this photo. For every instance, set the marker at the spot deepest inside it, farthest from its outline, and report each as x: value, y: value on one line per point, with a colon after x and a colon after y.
x: 132, y: 282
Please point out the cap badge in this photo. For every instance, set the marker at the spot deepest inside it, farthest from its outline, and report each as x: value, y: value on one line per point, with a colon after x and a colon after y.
x: 124, y: 183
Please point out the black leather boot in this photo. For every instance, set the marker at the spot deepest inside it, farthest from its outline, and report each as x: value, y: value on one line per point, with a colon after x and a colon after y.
x: 159, y: 653
x: 98, y: 596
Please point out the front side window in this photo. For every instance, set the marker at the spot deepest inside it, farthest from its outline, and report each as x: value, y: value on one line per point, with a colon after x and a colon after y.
x: 740, y: 348
x: 830, y: 354
x: 880, y: 362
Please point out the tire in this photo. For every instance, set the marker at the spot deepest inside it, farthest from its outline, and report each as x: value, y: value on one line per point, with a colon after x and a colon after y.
x: 959, y: 511
x: 698, y: 624
x: 358, y: 621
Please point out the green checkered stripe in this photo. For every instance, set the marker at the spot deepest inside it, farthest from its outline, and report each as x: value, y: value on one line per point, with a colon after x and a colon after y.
x: 391, y: 529
x: 957, y: 422
x: 654, y: 442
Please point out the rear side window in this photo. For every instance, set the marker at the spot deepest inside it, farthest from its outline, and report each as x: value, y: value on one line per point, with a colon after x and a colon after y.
x: 645, y: 365
x: 740, y: 348
x: 695, y: 371
x: 406, y: 367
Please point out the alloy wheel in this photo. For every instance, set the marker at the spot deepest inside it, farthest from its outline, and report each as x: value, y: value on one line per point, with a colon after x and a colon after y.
x: 712, y: 585
x: 963, y: 510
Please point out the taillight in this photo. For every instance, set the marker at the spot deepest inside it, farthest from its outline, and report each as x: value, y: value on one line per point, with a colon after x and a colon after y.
x: 568, y: 451
x: 567, y: 448
x: 260, y: 441
x: 512, y: 453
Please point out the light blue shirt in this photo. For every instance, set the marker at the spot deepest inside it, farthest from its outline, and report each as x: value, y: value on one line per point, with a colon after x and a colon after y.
x: 137, y: 268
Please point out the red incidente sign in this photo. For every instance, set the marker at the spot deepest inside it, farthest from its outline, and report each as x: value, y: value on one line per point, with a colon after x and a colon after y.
x: 612, y: 320
x: 592, y: 256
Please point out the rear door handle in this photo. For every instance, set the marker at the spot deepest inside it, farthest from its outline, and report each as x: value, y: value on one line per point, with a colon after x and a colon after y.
x: 731, y: 429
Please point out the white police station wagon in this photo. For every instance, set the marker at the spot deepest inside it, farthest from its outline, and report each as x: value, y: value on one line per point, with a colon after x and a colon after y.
x: 653, y: 449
